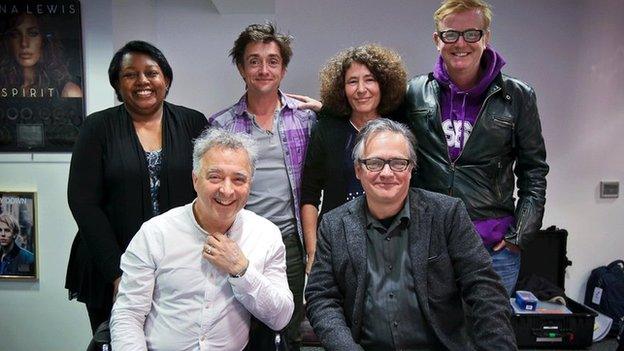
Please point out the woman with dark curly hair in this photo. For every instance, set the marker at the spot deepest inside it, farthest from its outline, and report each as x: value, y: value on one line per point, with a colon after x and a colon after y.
x: 357, y: 85
x: 32, y: 60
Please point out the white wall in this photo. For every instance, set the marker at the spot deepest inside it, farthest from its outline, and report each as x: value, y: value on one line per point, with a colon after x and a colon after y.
x: 38, y: 315
x: 569, y: 51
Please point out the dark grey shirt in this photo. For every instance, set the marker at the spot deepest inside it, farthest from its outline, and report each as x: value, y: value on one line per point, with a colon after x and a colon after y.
x: 392, y: 316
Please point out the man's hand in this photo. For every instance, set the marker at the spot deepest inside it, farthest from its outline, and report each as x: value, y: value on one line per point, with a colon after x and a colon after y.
x: 501, y: 245
x: 307, y: 102
x: 225, y: 254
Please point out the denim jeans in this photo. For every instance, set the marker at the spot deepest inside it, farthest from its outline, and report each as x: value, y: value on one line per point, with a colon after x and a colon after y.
x: 507, y: 264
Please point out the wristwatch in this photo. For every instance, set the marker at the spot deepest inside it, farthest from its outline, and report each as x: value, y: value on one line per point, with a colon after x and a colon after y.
x: 239, y: 274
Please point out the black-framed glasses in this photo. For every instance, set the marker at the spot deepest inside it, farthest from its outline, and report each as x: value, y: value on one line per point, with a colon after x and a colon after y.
x: 452, y: 36
x: 376, y: 164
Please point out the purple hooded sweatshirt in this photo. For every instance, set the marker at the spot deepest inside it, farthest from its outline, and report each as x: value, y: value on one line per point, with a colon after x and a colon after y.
x: 459, y: 111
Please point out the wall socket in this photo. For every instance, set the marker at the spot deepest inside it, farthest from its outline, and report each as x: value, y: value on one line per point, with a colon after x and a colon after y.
x: 609, y: 189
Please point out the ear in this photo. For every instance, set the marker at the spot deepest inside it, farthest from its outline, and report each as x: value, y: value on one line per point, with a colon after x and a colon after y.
x: 487, y: 37
x: 195, y: 179
x: 358, y: 171
x: 436, y: 40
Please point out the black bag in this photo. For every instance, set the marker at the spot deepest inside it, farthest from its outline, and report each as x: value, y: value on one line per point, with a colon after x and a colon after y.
x: 101, y: 339
x: 605, y: 292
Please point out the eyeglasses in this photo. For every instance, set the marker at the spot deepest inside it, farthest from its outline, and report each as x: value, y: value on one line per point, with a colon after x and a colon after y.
x: 376, y: 164
x: 452, y: 36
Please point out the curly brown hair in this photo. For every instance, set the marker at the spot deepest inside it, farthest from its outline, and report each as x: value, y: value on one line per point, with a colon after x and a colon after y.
x: 385, y: 65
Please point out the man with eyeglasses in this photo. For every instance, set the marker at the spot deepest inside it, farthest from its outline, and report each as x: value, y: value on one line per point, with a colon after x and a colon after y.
x: 394, y: 267
x: 477, y: 128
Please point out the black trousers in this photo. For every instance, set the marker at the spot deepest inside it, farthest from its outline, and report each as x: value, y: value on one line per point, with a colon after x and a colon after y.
x: 262, y: 337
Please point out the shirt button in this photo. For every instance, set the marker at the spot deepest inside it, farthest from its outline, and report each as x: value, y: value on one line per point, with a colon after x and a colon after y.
x: 391, y: 296
x: 395, y: 324
x: 387, y: 238
x: 390, y: 267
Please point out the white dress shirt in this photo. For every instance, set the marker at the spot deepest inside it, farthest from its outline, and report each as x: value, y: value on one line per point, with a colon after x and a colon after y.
x: 171, y: 298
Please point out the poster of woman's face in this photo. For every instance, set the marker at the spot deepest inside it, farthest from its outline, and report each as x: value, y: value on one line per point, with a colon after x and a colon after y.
x: 41, y: 75
x: 18, y: 244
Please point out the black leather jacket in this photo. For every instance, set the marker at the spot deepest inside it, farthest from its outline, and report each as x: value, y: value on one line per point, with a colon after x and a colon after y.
x: 506, y: 139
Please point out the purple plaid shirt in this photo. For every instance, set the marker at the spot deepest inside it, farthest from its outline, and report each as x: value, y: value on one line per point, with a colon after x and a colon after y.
x: 294, y: 126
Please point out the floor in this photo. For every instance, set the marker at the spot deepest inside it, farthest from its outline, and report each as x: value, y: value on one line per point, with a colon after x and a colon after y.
x: 604, y: 345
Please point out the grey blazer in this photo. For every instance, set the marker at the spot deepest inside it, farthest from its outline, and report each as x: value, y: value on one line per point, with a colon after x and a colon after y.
x: 449, y: 263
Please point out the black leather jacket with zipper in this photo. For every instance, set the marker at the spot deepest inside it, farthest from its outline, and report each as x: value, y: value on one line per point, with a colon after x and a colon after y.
x: 505, y: 140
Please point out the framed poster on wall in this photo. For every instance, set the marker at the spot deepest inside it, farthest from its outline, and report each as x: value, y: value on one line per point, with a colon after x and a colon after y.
x: 41, y: 75
x: 18, y: 235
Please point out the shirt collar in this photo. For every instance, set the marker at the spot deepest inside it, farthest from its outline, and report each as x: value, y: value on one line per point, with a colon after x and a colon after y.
x: 240, y: 109
x: 233, y: 232
x: 402, y: 217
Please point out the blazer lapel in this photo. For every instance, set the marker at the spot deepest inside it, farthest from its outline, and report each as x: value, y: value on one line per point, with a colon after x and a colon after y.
x: 355, y: 237
x: 419, y: 241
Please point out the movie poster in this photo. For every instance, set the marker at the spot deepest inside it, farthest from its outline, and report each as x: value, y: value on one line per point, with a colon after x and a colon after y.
x: 18, y: 235
x: 41, y: 75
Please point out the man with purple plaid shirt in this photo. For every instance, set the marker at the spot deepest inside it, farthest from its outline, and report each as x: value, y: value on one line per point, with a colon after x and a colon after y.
x: 281, y: 130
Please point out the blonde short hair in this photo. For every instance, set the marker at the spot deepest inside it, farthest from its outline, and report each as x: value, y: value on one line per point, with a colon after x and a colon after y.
x: 455, y: 6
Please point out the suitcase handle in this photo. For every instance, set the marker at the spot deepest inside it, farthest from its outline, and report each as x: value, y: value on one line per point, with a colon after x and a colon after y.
x: 616, y: 263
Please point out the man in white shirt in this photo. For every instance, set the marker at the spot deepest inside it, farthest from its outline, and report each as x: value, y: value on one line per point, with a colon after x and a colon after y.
x: 193, y: 275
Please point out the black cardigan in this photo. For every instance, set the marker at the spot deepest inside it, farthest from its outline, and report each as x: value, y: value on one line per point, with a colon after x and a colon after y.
x: 109, y: 191
x: 324, y: 165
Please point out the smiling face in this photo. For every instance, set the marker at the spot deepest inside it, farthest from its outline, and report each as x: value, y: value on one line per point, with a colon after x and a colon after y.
x: 142, y: 85
x: 386, y: 188
x: 222, y: 187
x: 26, y: 41
x: 362, y: 90
x: 462, y: 59
x: 263, y: 68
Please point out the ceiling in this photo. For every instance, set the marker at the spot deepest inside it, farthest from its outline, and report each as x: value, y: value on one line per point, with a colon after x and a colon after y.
x: 227, y: 7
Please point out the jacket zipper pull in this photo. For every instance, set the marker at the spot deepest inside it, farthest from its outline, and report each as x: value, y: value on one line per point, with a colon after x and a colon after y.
x: 451, y: 179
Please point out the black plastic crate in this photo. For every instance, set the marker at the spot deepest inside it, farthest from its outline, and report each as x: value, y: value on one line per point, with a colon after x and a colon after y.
x: 548, y: 331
